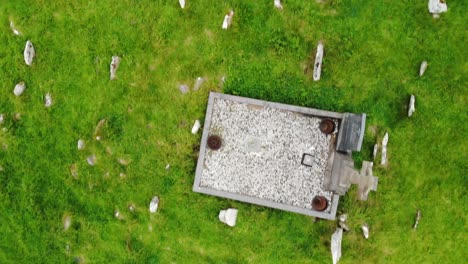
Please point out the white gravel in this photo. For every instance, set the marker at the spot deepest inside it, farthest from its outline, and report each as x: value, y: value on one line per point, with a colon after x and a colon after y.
x: 262, y: 151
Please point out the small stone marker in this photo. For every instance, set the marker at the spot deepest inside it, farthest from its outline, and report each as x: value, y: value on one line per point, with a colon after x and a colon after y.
x: 196, y: 127
x: 19, y: 88
x: 436, y: 7
x: 365, y: 230
x: 113, y: 66
x: 14, y: 29
x: 228, y: 216
x: 66, y: 222
x: 2, y: 118
x: 374, y: 153
x: 81, y: 144
x: 74, y: 170
x: 318, y: 62
x: 154, y: 204
x: 336, y: 245
x: 123, y: 162
x: 411, y: 107
x: 182, y: 3
x: 183, y: 88
x: 278, y: 4
x: 228, y: 19
x: 29, y: 53
x: 422, y: 68
x: 418, y: 217
x: 91, y: 160
x: 198, y: 82
x: 384, y: 150
x: 48, y: 100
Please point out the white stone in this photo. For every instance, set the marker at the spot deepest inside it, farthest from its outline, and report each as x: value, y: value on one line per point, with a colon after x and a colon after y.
x: 66, y: 222
x: 14, y: 29
x: 113, y: 66
x: 117, y: 214
x: 384, y: 150
x: 198, y: 82
x: 422, y: 68
x: 436, y: 7
x: 365, y: 230
x: 228, y: 19
x: 184, y: 88
x: 278, y: 4
x: 343, y: 218
x: 418, y: 217
x: 91, y: 160
x: 168, y: 166
x: 2, y: 119
x: 48, y: 100
x: 228, y: 216
x: 182, y: 3
x: 411, y: 107
x: 29, y: 53
x: 196, y: 127
x: 154, y: 204
x: 123, y: 162
x: 318, y: 62
x: 336, y: 245
x: 374, y: 153
x: 19, y: 88
x: 81, y: 144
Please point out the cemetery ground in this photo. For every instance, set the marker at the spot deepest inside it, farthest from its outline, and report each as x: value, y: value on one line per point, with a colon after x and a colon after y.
x: 371, y: 63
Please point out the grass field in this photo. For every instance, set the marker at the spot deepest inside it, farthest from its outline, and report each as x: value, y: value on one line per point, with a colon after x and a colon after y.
x: 373, y: 51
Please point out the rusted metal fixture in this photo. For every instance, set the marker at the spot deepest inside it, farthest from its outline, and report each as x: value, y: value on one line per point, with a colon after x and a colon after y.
x: 327, y: 126
x: 319, y: 203
x: 214, y: 142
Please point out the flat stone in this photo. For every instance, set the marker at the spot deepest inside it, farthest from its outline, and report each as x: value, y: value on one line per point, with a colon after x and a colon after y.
x: 228, y: 19
x: 29, y: 53
x: 196, y: 127
x: 19, y: 88
x: 318, y: 62
x: 336, y: 239
x: 228, y: 216
x: 48, y: 100
x: 154, y: 204
x: 113, y: 66
x: 422, y: 68
x: 81, y: 144
x: 411, y: 107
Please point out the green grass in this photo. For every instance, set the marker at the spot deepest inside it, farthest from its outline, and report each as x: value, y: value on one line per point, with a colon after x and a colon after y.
x: 373, y: 52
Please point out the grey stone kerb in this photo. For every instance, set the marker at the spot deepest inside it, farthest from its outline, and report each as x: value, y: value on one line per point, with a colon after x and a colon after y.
x: 268, y: 172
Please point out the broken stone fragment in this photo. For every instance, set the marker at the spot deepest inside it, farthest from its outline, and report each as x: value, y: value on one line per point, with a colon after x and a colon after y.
x: 91, y: 160
x: 14, y: 29
x: 198, y: 82
x: 228, y: 20
x: 29, y: 53
x: 113, y: 66
x: 422, y: 68
x: 436, y: 7
x: 411, y: 107
x: 365, y: 230
x: 81, y: 144
x: 48, y: 100
x: 418, y: 217
x: 384, y: 150
x: 318, y: 62
x: 374, y: 153
x: 278, y: 4
x: 228, y: 216
x: 74, y: 170
x: 336, y: 245
x: 182, y: 3
x: 19, y: 88
x: 153, y: 207
x: 183, y: 88
x: 66, y: 222
x: 344, y: 226
x: 196, y: 127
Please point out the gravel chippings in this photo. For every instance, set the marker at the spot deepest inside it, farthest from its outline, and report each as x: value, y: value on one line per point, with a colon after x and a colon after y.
x: 262, y: 151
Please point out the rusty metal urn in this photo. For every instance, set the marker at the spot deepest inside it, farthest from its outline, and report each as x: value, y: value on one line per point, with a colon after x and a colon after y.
x: 214, y: 142
x: 319, y: 203
x: 327, y: 126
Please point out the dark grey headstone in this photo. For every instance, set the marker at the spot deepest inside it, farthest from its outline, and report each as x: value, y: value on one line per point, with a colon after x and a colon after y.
x: 351, y: 132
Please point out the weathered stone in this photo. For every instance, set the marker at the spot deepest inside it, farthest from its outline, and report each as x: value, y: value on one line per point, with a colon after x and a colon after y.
x: 343, y: 226
x: 196, y: 127
x: 48, y: 100
x: 91, y: 160
x: 374, y: 153
x: 183, y: 88
x: 422, y: 68
x: 228, y: 216
x: 2, y: 118
x: 278, y: 4
x: 436, y: 7
x: 14, y: 29
x: 418, y: 217
x: 343, y: 217
x: 336, y: 239
x: 384, y: 150
x: 182, y: 3
x: 19, y: 88
x: 29, y: 53
x: 81, y: 144
x: 228, y: 20
x: 113, y: 66
x: 74, y: 170
x: 198, y: 82
x: 154, y: 204
x: 66, y: 222
x: 168, y: 166
x: 123, y: 162
x: 97, y: 130
x: 365, y: 230
x: 411, y: 107
x: 318, y: 62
